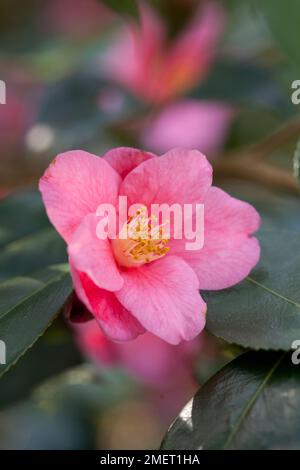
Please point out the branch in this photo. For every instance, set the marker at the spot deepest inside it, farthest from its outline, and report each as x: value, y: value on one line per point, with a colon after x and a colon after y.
x: 248, y: 163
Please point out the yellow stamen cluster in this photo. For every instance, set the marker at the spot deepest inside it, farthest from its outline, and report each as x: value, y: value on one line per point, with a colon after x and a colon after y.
x: 145, y: 240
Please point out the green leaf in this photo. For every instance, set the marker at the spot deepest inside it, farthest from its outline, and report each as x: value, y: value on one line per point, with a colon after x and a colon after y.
x: 252, y: 403
x: 32, y: 253
x: 263, y: 311
x: 28, y: 306
x: 21, y: 214
x: 283, y: 20
x: 28, y: 243
x: 246, y: 84
x: 52, y: 354
x: 124, y: 7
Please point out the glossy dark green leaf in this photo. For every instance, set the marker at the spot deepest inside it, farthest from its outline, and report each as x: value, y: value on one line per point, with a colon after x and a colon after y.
x: 252, y: 403
x: 32, y: 253
x: 123, y: 7
x: 28, y: 242
x: 21, y: 214
x: 28, y: 306
x: 52, y: 354
x: 263, y: 311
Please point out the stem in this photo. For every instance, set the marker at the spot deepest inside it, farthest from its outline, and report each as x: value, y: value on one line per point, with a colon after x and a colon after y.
x: 248, y: 163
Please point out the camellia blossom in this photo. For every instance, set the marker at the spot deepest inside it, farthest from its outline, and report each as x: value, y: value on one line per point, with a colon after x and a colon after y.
x: 190, y: 124
x: 127, y: 286
x: 142, y: 59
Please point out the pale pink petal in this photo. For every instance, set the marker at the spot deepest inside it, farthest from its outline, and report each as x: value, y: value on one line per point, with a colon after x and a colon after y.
x: 125, y: 159
x: 179, y: 176
x: 74, y: 185
x: 115, y: 321
x: 196, y: 124
x: 229, y: 251
x: 93, y: 256
x: 164, y: 297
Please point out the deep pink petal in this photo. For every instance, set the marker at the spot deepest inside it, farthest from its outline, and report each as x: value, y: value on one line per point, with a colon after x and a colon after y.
x: 134, y: 58
x: 114, y: 320
x: 193, y: 51
x: 79, y: 288
x: 179, y: 176
x: 229, y: 251
x: 74, y: 185
x: 125, y: 159
x: 164, y: 297
x: 93, y: 256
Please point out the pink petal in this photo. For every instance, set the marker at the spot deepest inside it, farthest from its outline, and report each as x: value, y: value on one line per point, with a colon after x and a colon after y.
x: 93, y: 256
x: 194, y: 50
x: 164, y: 297
x: 133, y: 58
x: 189, y: 124
x: 114, y: 320
x: 125, y: 159
x: 151, y: 360
x: 179, y: 176
x: 229, y: 251
x: 94, y: 344
x: 79, y: 288
x: 166, y: 370
x: 74, y: 185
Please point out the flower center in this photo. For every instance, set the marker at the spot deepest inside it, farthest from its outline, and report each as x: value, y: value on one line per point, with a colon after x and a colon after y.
x: 141, y: 240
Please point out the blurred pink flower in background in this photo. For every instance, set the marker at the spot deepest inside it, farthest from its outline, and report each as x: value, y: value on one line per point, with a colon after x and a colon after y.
x: 203, y: 125
x: 17, y: 114
x: 142, y: 60
x: 156, y: 70
x: 13, y: 118
x: 165, y: 370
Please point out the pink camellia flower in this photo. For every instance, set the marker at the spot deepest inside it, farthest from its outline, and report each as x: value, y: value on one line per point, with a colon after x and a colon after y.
x: 166, y: 371
x: 190, y: 124
x: 133, y: 285
x: 142, y: 59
